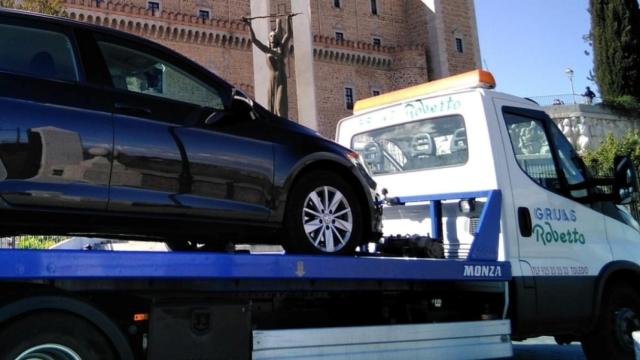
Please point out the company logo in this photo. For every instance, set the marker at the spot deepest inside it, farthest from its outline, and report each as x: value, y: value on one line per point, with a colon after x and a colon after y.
x: 482, y: 271
x: 549, y: 214
x: 550, y: 235
x: 420, y: 108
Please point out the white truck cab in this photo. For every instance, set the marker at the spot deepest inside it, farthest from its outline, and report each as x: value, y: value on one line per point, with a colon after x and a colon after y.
x: 573, y: 248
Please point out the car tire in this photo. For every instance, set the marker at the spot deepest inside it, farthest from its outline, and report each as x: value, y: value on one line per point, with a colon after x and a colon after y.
x: 619, y: 317
x: 56, y: 336
x: 323, y: 216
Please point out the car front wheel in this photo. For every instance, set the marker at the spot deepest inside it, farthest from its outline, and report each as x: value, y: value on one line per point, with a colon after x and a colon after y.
x: 323, y: 216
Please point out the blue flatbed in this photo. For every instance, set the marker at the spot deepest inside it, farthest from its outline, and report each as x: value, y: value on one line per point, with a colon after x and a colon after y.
x: 480, y: 265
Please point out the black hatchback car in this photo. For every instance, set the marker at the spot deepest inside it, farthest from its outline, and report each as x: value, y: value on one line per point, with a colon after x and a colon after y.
x: 104, y: 133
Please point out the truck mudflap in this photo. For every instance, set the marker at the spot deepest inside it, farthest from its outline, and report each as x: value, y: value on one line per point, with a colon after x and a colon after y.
x: 461, y: 340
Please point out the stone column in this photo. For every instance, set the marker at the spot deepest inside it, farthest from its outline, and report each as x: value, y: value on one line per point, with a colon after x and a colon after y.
x: 305, y: 75
x: 437, y: 45
x: 262, y: 29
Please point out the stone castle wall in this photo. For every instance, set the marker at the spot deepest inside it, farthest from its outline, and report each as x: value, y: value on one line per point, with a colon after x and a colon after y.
x: 585, y: 126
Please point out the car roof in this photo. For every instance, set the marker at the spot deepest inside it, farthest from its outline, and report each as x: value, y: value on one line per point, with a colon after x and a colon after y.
x: 58, y: 20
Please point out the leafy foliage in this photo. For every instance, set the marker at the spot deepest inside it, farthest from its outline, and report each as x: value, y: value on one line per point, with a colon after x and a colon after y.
x: 38, y: 242
x: 600, y: 160
x: 615, y: 32
x: 49, y: 7
x: 624, y: 105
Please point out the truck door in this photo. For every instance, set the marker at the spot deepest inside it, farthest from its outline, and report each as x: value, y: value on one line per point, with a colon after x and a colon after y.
x: 562, y: 240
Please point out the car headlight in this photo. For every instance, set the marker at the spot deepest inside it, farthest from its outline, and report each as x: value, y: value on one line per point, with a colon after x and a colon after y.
x: 356, y: 159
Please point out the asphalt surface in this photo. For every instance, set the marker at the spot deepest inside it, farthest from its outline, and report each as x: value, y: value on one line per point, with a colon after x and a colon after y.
x: 547, y: 349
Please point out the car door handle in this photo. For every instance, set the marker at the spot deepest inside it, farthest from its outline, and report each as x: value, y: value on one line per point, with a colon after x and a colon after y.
x: 132, y: 109
x: 524, y: 222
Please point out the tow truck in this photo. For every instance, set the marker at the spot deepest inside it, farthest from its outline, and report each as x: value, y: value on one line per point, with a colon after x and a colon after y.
x: 503, y: 268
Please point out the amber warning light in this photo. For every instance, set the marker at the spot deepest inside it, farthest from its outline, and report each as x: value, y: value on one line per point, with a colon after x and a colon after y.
x: 140, y: 317
x: 472, y: 79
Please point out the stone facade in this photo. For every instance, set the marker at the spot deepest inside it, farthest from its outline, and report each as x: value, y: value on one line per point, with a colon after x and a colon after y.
x: 587, y: 125
x: 407, y: 42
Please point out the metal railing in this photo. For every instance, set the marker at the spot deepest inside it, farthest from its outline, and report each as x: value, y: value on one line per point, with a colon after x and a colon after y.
x: 564, y: 99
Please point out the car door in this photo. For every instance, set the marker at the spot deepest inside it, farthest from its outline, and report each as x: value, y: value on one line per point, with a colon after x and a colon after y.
x: 562, y: 241
x: 167, y: 159
x: 56, y: 135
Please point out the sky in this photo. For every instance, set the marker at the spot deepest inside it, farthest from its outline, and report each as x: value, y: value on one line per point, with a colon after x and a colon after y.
x: 528, y: 45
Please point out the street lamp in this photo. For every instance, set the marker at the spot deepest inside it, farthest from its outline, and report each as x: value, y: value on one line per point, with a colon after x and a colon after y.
x: 569, y: 74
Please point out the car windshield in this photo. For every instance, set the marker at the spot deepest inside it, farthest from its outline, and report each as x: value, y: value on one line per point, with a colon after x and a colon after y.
x: 419, y: 145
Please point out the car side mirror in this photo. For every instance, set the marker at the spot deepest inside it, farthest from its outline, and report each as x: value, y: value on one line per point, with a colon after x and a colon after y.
x: 625, y: 184
x: 242, y: 105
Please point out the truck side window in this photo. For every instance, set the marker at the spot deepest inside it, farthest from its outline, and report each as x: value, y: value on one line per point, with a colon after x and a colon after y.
x: 570, y: 163
x: 531, y: 147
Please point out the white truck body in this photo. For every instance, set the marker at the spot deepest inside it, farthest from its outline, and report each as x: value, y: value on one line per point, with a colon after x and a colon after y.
x: 573, y: 247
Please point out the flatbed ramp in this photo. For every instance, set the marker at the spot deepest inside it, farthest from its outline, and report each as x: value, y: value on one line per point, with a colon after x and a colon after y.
x: 462, y: 340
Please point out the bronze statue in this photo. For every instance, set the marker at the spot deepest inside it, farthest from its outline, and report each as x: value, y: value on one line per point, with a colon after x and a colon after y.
x: 277, y: 53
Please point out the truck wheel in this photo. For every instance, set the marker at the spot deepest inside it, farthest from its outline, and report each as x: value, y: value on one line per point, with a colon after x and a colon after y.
x: 54, y: 336
x: 619, y: 317
x: 323, y: 216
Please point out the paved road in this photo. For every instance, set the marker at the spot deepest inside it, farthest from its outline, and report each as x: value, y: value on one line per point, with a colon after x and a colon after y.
x: 545, y: 348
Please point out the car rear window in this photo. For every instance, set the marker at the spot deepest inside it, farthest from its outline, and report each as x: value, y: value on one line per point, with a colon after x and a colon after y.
x: 36, y: 52
x: 418, y: 145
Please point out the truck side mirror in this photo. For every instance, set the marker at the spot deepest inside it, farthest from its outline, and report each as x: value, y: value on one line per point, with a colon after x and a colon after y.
x: 625, y: 184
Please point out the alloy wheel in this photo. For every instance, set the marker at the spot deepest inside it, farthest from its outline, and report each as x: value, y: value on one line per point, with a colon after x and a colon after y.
x: 327, y: 219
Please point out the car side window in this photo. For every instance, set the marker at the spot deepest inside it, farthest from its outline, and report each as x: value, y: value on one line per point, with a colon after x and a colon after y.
x: 135, y: 71
x: 37, y: 52
x: 531, y: 147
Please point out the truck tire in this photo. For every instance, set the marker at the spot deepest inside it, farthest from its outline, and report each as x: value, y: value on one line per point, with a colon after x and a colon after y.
x: 54, y: 336
x: 619, y: 317
x: 323, y: 215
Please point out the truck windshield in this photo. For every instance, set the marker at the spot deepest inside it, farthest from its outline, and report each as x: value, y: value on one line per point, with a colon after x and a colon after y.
x: 418, y: 145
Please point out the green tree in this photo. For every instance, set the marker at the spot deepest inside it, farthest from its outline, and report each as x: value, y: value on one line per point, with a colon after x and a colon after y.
x: 7, y: 3
x: 600, y: 160
x: 37, y: 242
x: 615, y: 32
x: 49, y: 7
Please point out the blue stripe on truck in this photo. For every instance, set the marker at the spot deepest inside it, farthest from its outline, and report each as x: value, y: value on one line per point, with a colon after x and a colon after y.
x: 52, y: 264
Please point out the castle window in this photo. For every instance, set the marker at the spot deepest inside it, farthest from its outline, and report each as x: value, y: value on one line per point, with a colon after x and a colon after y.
x: 377, y: 41
x: 154, y: 6
x: 204, y: 14
x: 375, y: 92
x: 348, y: 98
x: 336, y: 4
x: 374, y: 7
x: 459, y: 45
x: 339, y: 36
